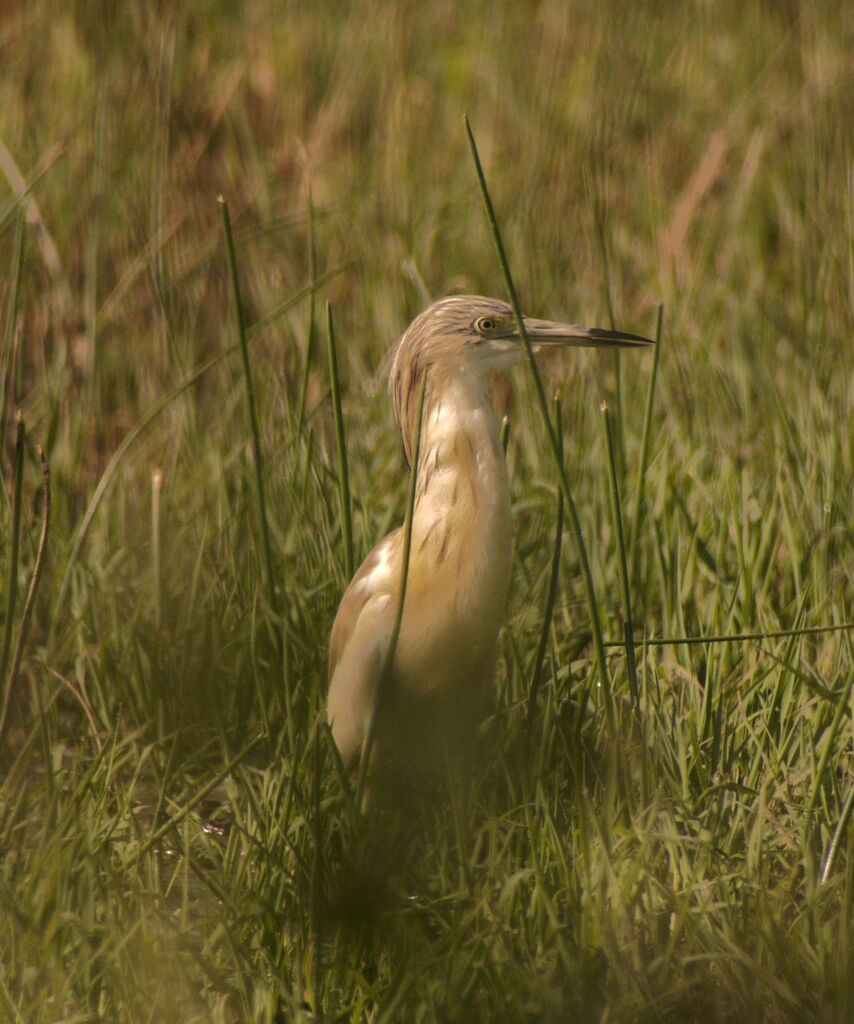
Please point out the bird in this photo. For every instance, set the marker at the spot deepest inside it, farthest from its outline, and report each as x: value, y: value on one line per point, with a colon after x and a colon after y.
x: 461, y: 544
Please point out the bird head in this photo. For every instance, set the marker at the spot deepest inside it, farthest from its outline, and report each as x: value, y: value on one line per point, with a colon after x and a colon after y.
x: 474, y: 334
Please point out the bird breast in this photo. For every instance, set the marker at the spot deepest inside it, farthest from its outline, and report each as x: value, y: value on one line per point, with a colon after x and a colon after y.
x: 460, y: 563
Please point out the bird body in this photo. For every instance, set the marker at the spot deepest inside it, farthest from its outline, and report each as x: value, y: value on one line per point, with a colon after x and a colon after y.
x: 460, y: 557
x: 457, y: 580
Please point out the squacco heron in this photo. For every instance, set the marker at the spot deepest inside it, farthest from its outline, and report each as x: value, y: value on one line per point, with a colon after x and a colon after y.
x: 461, y: 544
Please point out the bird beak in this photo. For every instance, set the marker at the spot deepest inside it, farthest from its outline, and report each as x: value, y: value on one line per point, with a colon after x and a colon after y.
x: 547, y: 333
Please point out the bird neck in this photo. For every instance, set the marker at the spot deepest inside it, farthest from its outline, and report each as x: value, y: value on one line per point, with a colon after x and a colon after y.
x: 462, y: 537
x: 462, y: 472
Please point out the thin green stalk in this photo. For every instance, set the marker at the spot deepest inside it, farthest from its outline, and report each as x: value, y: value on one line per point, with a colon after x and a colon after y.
x: 309, y: 341
x: 838, y: 833
x: 578, y: 536
x: 675, y: 641
x: 628, y: 625
x: 548, y: 613
x: 14, y: 550
x: 316, y: 890
x: 640, y: 479
x: 551, y: 594
x: 11, y: 329
x: 612, y: 323
x: 253, y: 410
x: 504, y: 436
x: 828, y: 744
x: 27, y: 613
x: 156, y: 495
x: 462, y: 835
x: 388, y: 661
x: 344, y: 499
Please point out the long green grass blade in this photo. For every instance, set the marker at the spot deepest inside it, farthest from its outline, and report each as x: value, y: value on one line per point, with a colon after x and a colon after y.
x: 575, y: 523
x: 643, y: 464
x: 11, y: 333
x: 258, y: 459
x: 29, y: 602
x: 551, y: 593
x: 312, y: 327
x: 617, y: 516
x: 344, y: 499
x: 14, y: 551
x: 725, y: 638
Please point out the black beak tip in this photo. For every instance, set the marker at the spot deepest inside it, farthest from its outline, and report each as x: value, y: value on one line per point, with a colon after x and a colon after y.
x: 621, y: 337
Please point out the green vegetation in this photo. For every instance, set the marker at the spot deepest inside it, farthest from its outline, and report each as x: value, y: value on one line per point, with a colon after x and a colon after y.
x: 177, y: 841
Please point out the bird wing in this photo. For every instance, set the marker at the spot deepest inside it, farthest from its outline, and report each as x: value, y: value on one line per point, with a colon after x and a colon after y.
x: 358, y: 646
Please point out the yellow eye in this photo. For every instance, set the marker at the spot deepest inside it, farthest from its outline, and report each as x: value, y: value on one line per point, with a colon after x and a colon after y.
x: 484, y: 325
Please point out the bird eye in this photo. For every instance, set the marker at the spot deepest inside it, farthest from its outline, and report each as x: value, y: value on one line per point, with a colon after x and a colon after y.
x: 484, y: 324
